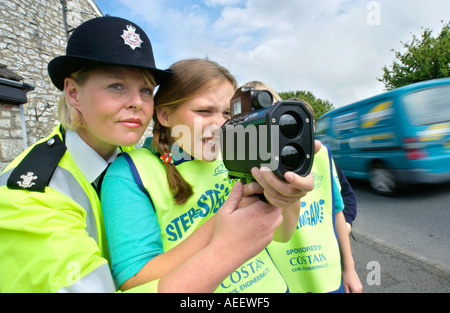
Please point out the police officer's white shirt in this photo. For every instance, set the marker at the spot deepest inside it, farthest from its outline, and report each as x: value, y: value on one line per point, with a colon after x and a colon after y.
x: 87, y: 159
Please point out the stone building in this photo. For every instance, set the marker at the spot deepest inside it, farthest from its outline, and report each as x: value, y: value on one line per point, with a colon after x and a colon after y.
x: 33, y: 32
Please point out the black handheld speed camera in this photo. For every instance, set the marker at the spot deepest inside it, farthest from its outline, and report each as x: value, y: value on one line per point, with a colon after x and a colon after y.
x: 279, y: 136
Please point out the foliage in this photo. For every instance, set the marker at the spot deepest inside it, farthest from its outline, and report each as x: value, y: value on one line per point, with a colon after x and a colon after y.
x: 319, y: 106
x: 424, y: 58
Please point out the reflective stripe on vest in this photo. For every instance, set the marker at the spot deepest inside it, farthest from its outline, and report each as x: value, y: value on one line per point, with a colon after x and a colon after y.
x: 99, y: 280
x: 64, y: 182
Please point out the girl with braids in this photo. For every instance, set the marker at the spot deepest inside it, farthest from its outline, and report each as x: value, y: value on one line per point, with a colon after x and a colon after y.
x: 173, y: 217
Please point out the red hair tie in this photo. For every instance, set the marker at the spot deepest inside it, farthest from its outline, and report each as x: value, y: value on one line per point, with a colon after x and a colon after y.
x: 166, y: 158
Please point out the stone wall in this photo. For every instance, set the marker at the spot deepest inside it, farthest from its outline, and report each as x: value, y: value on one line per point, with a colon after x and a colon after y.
x: 33, y: 32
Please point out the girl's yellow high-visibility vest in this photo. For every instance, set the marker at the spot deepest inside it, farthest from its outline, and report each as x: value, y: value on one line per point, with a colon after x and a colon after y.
x: 211, y: 187
x: 310, y: 261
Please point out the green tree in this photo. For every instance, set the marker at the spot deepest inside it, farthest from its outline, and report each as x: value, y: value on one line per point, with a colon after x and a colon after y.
x: 424, y: 58
x: 320, y: 106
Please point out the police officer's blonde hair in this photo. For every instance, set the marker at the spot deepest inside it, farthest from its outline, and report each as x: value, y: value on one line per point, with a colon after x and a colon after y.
x: 190, y: 78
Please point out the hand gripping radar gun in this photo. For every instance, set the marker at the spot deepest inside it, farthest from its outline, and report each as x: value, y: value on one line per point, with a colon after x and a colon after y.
x: 278, y: 136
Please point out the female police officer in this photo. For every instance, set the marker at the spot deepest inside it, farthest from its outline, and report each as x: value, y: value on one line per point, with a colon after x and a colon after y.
x: 51, y: 228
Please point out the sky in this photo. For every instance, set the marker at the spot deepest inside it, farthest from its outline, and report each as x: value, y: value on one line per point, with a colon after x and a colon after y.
x: 335, y: 49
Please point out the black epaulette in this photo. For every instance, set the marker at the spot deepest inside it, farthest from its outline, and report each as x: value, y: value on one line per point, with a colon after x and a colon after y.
x: 36, y: 169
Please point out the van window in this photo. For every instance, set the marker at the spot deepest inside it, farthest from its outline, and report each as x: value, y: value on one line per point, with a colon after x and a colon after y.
x: 322, y: 126
x: 345, y: 123
x: 428, y: 106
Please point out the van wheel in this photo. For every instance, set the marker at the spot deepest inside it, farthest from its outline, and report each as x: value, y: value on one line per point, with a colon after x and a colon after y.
x: 382, y: 180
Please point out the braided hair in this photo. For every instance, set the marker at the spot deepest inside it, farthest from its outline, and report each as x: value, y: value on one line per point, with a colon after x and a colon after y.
x: 190, y: 78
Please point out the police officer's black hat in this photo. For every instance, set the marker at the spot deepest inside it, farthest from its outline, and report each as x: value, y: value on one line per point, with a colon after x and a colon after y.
x: 105, y: 40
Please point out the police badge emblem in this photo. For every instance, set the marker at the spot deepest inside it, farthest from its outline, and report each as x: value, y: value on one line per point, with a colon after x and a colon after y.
x: 130, y: 38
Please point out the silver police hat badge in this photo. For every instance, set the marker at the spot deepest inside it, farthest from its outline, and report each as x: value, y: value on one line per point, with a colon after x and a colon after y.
x: 130, y: 38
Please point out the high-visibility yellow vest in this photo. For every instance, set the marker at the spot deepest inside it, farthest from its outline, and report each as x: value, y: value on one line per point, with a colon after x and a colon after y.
x: 211, y: 186
x: 51, y: 225
x: 310, y: 261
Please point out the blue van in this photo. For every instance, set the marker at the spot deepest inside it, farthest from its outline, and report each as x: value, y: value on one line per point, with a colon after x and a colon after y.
x: 395, y: 138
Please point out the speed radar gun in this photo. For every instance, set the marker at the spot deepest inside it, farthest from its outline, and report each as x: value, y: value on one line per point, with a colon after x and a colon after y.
x: 259, y: 134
